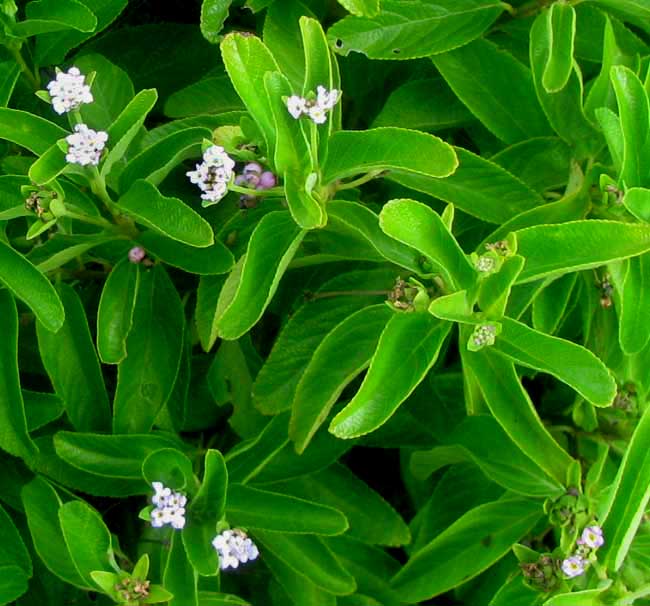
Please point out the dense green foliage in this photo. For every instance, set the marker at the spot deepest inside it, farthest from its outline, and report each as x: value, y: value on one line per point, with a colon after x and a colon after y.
x: 395, y: 343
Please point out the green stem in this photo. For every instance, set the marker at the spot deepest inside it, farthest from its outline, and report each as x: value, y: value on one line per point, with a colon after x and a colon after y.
x: 98, y: 187
x: 313, y: 142
x: 346, y: 293
x: 100, y: 221
x: 373, y: 174
x: 273, y: 191
x: 31, y: 76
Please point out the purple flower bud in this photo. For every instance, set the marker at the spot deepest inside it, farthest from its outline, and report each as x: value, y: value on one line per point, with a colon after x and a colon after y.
x: 252, y: 179
x: 267, y: 180
x: 252, y: 167
x: 241, y: 180
x: 137, y: 254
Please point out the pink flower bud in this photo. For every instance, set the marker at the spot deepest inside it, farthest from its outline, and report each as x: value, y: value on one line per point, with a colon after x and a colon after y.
x: 137, y: 254
x: 252, y: 167
x: 267, y: 180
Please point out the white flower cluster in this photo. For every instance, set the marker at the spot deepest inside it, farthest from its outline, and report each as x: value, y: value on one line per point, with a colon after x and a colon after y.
x: 169, y: 507
x: 592, y: 538
x: 317, y: 108
x: 213, y: 174
x: 85, y: 145
x: 68, y: 91
x: 234, y: 547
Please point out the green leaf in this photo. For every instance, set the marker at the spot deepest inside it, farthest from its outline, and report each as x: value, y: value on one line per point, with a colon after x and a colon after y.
x: 496, y: 88
x: 494, y: 290
x: 564, y: 108
x: 417, y: 225
x: 246, y: 294
x: 633, y: 332
x: 372, y: 520
x: 179, y: 577
x: 49, y: 166
x: 397, y: 150
x: 247, y: 60
x: 212, y: 95
x: 209, y: 598
x: 213, y: 15
x: 550, y: 305
x: 12, y: 548
x: 71, y: 363
x: 478, y: 187
x: 115, y: 312
x: 87, y: 538
x: 637, y: 201
x: 634, y: 112
x: 407, y: 349
x: 146, y: 376
x: 610, y: 124
x: 171, y: 467
x: 482, y: 440
x: 261, y: 509
x: 31, y: 286
x: 407, y: 30
x: 29, y: 131
x: 361, y: 8
x: 550, y: 250
x: 363, y: 222
x: 14, y: 437
x: 308, y: 556
x: 42, y: 505
x: 169, y: 216
x: 306, y: 210
x: 562, y: 31
x: 41, y: 408
x: 43, y: 16
x: 276, y: 382
x: 126, y: 126
x: 205, y: 511
x: 157, y: 161
x: 212, y: 260
x: 513, y: 409
x: 627, y: 9
x: 586, y: 597
x: 14, y: 583
x: 52, y: 48
x: 110, y: 456
x: 466, y: 548
x: 332, y: 368
x: 9, y: 73
x: 567, y: 361
x: 629, y: 497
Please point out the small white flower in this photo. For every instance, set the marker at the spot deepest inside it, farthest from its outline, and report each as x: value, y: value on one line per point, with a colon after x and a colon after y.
x: 85, y: 145
x: 592, y: 537
x: 162, y: 495
x: 158, y: 518
x: 169, y: 507
x: 68, y: 91
x: 573, y: 566
x: 318, y: 114
x: 234, y: 547
x: 326, y: 99
x: 213, y: 174
x: 296, y: 106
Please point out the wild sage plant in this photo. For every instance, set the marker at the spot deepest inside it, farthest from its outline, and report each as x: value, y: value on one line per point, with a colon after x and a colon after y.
x: 344, y: 316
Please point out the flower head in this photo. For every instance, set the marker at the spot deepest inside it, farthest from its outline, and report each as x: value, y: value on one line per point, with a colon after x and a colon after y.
x: 213, y: 174
x: 573, y: 566
x: 317, y: 108
x: 85, y: 145
x: 592, y: 537
x: 68, y: 91
x: 234, y: 547
x: 169, y: 507
x: 484, y: 335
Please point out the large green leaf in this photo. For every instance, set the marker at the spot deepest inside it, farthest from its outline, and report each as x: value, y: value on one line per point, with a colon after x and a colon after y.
x: 478, y: 187
x: 556, y: 249
x: 513, y: 409
x: 564, y: 108
x: 559, y: 64
x: 14, y: 437
x: 629, y: 497
x: 29, y: 131
x: 87, y: 538
x: 169, y: 216
x: 43, y: 16
x: 634, y: 305
x: 115, y: 312
x: 406, y: 30
x: 407, y: 349
x: 496, y: 88
x: 396, y: 150
x: 275, y: 385
x: 9, y: 72
x: 571, y: 363
x: 146, y: 376
x: 210, y: 95
x: 249, y: 289
x: 332, y: 367
x: 15, y: 564
x: 247, y: 60
x: 42, y: 504
x: 261, y: 509
x: 179, y: 576
x: 466, y: 548
x: 418, y: 226
x: 71, y: 362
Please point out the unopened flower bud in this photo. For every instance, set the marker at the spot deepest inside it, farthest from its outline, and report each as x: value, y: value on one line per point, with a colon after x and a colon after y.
x: 137, y: 254
x: 267, y: 180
